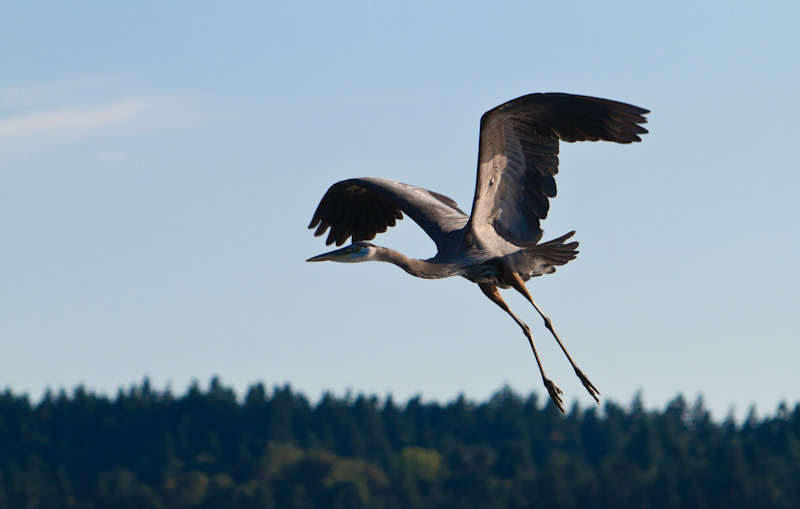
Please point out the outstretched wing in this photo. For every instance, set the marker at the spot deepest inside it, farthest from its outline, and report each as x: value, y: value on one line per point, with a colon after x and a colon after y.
x: 363, y: 207
x: 518, y: 157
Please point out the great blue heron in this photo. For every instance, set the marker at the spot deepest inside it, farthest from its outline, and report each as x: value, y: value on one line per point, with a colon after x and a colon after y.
x: 497, y: 246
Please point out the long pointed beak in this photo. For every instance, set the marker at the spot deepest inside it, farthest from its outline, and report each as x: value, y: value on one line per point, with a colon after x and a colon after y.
x: 321, y: 258
x: 332, y: 256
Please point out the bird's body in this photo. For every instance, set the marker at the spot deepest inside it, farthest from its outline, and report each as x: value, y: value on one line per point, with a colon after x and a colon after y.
x: 498, y: 244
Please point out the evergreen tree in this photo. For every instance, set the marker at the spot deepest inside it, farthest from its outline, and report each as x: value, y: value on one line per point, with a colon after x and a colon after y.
x: 151, y: 449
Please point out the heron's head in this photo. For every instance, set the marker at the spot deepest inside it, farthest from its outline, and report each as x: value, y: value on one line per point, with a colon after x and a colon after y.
x: 356, y: 252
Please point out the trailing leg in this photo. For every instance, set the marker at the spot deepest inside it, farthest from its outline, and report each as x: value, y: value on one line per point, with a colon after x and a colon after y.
x: 491, y: 291
x: 519, y: 285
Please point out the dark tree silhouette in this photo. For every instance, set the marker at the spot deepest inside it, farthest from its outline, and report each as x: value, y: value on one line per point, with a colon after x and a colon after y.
x: 206, y: 448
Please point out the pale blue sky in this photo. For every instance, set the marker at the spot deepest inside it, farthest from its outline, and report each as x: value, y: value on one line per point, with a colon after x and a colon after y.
x: 159, y: 164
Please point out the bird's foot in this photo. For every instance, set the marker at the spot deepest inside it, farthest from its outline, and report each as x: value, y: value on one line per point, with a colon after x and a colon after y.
x: 589, y: 386
x: 555, y: 394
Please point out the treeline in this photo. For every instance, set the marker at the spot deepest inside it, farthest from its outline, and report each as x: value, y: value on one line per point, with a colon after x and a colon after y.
x: 206, y: 449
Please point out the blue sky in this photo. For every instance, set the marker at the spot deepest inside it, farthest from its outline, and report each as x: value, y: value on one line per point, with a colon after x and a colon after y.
x: 159, y: 164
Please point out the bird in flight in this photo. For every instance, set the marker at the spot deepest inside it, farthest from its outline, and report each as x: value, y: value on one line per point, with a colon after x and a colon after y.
x: 497, y: 246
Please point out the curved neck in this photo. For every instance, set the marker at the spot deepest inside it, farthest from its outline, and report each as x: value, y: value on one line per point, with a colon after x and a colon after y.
x: 415, y: 267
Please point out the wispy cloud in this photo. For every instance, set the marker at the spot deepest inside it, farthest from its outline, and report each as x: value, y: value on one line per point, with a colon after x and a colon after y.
x: 67, y: 125
x: 17, y: 97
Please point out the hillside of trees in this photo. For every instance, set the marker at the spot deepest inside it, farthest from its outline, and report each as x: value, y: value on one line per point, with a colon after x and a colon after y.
x: 274, y: 449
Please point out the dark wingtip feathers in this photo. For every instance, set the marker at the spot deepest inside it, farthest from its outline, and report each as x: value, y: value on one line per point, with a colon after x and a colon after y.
x: 350, y: 210
x: 578, y: 117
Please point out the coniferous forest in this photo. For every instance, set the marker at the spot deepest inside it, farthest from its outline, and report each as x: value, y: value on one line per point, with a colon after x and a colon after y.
x: 274, y: 449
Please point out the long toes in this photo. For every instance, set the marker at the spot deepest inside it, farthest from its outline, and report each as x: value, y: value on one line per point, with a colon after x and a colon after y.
x: 555, y: 394
x: 589, y: 386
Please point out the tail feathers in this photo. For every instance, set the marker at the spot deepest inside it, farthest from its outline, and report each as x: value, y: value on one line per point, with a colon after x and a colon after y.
x: 548, y: 255
x: 555, y: 252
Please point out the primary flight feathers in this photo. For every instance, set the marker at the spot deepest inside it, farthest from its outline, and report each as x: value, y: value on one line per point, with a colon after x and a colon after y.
x: 518, y: 149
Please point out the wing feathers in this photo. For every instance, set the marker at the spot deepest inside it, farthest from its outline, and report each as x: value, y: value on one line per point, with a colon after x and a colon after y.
x: 519, y: 150
x: 362, y: 208
x: 517, y: 163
